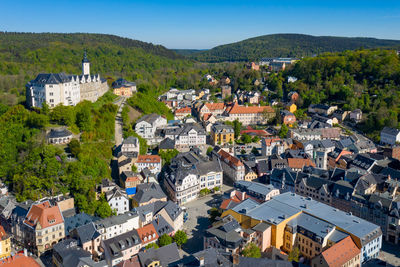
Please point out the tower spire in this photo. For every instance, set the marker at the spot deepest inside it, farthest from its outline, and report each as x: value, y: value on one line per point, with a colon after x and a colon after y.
x: 85, y: 64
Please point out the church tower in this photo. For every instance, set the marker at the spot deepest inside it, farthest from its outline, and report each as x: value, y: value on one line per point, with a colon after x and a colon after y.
x: 85, y: 65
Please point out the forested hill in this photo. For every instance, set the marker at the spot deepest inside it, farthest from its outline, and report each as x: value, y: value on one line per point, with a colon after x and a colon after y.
x: 288, y: 45
x: 24, y: 55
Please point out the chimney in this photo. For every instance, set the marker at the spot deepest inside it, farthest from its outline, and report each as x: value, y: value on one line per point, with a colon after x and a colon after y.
x: 201, y: 260
x: 243, y: 195
x: 25, y: 252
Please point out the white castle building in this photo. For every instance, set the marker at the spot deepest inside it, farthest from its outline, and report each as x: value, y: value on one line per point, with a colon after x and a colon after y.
x: 69, y: 90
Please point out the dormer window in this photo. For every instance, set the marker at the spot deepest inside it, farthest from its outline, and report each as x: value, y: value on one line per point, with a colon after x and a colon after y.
x: 52, y: 221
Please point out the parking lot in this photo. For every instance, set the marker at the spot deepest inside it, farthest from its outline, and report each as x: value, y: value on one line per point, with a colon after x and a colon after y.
x: 198, y: 221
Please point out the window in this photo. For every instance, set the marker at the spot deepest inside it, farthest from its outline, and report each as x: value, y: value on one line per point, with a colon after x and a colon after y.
x: 51, y: 93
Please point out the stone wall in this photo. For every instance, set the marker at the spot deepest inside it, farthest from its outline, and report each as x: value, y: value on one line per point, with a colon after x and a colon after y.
x: 93, y: 90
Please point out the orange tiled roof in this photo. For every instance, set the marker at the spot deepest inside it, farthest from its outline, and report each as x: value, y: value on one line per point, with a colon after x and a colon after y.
x: 133, y: 179
x: 183, y: 110
x: 299, y: 163
x: 206, y: 116
x: 341, y: 252
x: 270, y: 140
x: 149, y: 159
x: 3, y: 234
x: 19, y: 260
x: 224, y: 205
x: 236, y: 109
x: 43, y: 213
x: 215, y: 106
x: 234, y: 160
x: 147, y: 232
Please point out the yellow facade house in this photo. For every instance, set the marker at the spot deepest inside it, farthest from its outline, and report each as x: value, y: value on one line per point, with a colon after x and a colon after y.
x: 291, y: 107
x: 222, y: 134
x: 5, y: 243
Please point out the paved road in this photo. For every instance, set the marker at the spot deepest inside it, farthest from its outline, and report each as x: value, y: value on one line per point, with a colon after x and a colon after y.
x: 390, y: 253
x: 118, y: 120
x: 198, y: 221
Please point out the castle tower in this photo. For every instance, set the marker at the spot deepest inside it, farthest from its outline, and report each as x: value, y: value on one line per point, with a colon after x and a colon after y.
x: 85, y: 65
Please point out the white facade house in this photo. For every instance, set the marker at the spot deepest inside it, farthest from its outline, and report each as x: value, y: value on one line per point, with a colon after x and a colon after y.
x: 356, y: 115
x: 188, y: 174
x: 118, y: 200
x: 390, y: 136
x: 117, y: 225
x: 233, y: 168
x: 270, y: 146
x: 53, y: 89
x: 146, y: 126
x: 151, y: 162
x: 130, y: 145
x: 68, y: 90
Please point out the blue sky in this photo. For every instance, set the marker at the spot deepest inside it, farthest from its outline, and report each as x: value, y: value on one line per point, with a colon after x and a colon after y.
x: 203, y: 24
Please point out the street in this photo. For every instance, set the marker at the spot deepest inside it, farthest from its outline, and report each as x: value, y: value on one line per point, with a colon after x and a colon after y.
x: 118, y: 121
x: 198, y: 221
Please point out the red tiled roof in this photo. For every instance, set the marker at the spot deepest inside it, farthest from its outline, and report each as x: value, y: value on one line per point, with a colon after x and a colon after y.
x: 19, y: 260
x: 43, y: 213
x: 256, y: 132
x: 147, y: 231
x: 341, y: 252
x: 233, y: 160
x: 149, y: 159
x: 183, y: 110
x: 236, y: 109
x: 299, y: 163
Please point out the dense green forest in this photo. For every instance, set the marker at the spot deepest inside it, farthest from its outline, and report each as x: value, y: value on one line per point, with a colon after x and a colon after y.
x: 287, y: 45
x: 33, y: 169
x: 365, y: 79
x: 24, y: 55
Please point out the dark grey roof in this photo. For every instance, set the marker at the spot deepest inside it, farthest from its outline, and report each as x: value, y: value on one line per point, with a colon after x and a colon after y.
x: 173, y: 209
x: 167, y: 143
x: 261, y: 227
x: 165, y: 255
x: 251, y: 262
x: 207, y: 167
x: 254, y: 187
x: 162, y: 226
x: 122, y: 82
x: 85, y: 58
x: 114, y: 220
x: 225, y: 230
x: 59, y: 133
x: 313, y: 224
x: 131, y: 140
x: 69, y: 253
x: 150, y: 118
x: 122, y: 242
x: 337, y: 235
x: 218, y: 128
x: 77, y: 220
x: 390, y: 131
x: 87, y: 233
x: 51, y: 78
x: 147, y: 191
